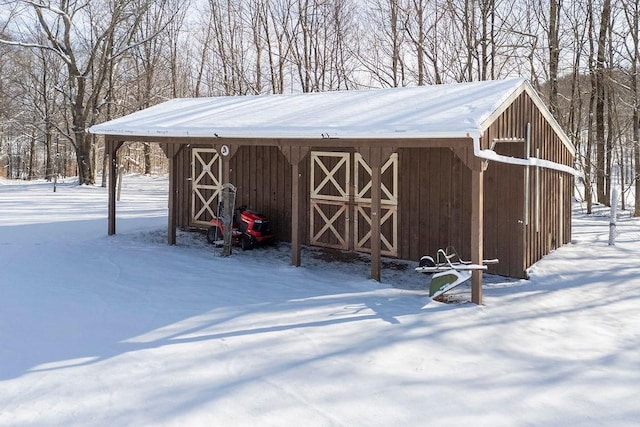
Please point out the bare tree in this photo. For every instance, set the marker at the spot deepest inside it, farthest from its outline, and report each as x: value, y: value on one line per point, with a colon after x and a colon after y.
x: 600, y: 87
x: 275, y: 20
x: 86, y: 55
x: 147, y: 59
x: 477, y: 26
x: 87, y: 61
x: 631, y: 13
x: 574, y: 118
x: 43, y: 80
x: 588, y: 161
x: 383, y: 54
x: 553, y: 36
x: 424, y: 21
x: 317, y: 35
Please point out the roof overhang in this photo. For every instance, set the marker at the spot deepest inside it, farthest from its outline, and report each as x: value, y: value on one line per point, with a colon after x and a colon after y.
x: 408, y: 116
x: 423, y: 112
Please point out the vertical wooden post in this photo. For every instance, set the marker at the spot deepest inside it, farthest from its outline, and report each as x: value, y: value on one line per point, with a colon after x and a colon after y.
x: 112, y: 150
x: 226, y: 168
x: 375, y: 158
x: 376, y: 179
x: 172, y: 224
x: 295, y: 155
x: 226, y: 152
x: 477, y: 228
x: 295, y: 214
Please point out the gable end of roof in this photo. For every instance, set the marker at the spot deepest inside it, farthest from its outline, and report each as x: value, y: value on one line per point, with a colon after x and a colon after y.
x: 533, y: 95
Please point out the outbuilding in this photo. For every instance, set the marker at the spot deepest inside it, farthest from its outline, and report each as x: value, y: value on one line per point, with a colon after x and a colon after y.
x: 398, y: 172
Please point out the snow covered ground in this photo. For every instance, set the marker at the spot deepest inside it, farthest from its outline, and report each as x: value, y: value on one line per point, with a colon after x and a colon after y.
x: 126, y: 330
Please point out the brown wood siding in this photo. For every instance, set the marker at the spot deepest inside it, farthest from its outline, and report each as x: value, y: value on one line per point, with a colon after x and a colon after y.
x: 262, y: 176
x: 435, y: 207
x: 547, y: 236
x: 434, y: 202
x: 504, y: 212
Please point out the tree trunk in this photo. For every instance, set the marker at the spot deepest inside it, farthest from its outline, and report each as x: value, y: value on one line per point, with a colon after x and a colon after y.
x: 83, y: 157
x: 608, y: 145
x: 395, y: 43
x: 469, y: 27
x: 554, y: 53
x: 588, y: 188
x: 147, y: 158
x: 32, y: 158
x: 636, y: 145
x: 601, y: 149
x: 48, y: 162
x: 623, y: 167
x: 633, y: 19
x: 420, y: 43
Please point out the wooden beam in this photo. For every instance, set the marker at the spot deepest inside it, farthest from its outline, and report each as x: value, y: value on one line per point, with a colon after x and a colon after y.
x: 295, y: 155
x: 392, y: 143
x: 375, y: 158
x: 226, y: 153
x: 165, y: 148
x: 477, y: 166
x: 376, y: 179
x: 112, y: 147
x: 477, y: 232
x: 172, y: 225
x: 295, y: 215
x: 467, y: 157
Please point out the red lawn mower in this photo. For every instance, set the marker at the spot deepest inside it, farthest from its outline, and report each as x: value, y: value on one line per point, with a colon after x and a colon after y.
x: 250, y: 228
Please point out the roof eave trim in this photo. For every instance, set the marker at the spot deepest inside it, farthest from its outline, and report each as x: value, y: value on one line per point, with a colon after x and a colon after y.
x: 319, y: 135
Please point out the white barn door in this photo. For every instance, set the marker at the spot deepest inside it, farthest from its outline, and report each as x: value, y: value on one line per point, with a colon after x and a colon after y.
x: 206, y: 174
x: 388, y: 208
x: 330, y: 182
x: 340, y: 214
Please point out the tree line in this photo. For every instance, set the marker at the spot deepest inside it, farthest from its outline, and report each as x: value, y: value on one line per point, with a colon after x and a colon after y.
x: 68, y: 64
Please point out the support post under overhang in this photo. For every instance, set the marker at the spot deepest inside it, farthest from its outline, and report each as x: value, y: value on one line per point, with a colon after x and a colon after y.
x: 295, y: 155
x: 172, y: 225
x: 111, y: 148
x: 477, y: 232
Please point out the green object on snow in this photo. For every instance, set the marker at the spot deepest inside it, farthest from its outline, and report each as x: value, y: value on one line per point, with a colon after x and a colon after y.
x: 447, y: 280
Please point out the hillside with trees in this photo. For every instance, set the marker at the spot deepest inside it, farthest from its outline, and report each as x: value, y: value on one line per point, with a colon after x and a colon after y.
x: 69, y: 64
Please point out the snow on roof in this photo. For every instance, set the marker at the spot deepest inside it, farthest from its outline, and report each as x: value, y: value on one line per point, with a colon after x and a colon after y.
x: 452, y: 110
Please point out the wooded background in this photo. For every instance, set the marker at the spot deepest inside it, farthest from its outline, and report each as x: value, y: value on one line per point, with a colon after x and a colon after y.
x: 68, y: 64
